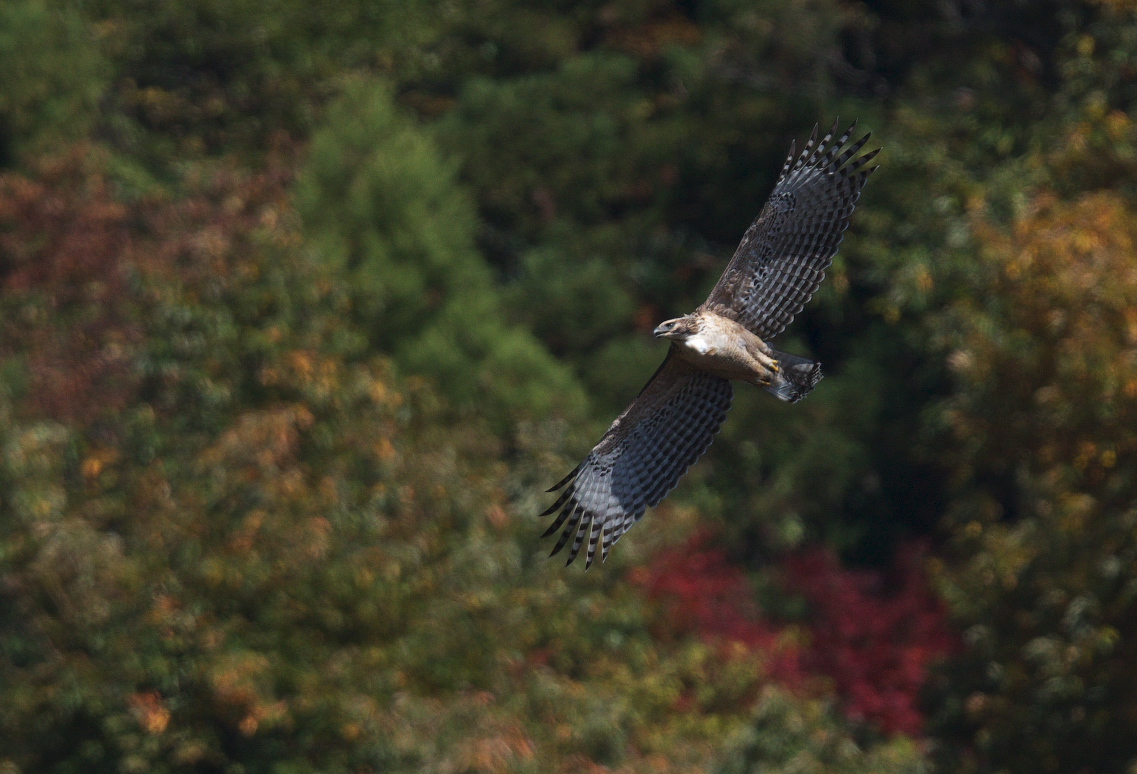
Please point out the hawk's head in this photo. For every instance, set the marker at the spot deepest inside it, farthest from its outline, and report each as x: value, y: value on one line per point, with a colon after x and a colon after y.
x: 679, y: 328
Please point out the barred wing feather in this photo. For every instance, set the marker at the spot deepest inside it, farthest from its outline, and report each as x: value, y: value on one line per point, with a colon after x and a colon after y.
x: 641, y: 457
x: 783, y: 255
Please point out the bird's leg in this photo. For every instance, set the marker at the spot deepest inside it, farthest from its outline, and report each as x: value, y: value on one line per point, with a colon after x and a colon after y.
x: 765, y: 355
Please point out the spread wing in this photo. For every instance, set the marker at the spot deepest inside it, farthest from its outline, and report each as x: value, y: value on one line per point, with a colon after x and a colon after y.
x: 642, y: 456
x: 783, y: 255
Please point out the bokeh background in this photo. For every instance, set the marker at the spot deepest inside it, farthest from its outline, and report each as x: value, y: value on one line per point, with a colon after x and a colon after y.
x: 303, y: 305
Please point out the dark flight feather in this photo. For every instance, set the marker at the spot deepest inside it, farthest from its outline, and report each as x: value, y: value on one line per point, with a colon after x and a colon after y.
x: 783, y: 256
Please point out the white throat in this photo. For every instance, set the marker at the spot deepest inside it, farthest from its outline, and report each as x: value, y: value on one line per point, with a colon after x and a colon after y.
x: 698, y: 344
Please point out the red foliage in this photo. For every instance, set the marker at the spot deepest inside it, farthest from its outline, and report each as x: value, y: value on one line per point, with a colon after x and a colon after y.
x: 703, y: 593
x: 62, y: 242
x: 68, y: 250
x: 873, y: 634
x: 874, y: 639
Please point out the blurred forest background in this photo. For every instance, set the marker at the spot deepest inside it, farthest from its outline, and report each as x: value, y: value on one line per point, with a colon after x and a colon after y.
x: 303, y: 305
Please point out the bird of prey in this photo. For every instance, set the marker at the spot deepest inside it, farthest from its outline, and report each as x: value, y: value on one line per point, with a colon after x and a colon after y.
x: 775, y: 270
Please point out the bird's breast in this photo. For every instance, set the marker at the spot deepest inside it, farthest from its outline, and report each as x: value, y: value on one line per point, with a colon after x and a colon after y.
x: 722, y: 348
x: 715, y: 354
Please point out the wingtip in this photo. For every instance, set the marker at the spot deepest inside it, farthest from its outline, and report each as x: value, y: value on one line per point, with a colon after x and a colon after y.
x: 564, y: 480
x: 559, y: 502
x: 551, y: 530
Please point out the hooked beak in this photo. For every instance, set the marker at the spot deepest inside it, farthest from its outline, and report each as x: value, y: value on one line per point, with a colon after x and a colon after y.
x: 665, y: 330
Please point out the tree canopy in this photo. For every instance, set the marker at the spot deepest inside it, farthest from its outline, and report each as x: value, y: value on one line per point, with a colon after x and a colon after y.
x: 303, y: 305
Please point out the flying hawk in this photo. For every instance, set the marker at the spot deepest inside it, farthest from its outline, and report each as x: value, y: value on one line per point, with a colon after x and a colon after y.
x: 775, y: 270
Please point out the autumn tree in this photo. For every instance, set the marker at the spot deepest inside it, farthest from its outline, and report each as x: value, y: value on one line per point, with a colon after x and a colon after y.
x: 1046, y: 404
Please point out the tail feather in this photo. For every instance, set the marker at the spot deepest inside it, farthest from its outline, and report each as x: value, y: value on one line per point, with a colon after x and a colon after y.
x: 797, y: 377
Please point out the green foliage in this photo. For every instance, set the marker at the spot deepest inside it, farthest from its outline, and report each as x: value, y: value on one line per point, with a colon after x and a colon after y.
x: 193, y: 77
x: 384, y: 209
x: 794, y: 735
x: 285, y: 352
x: 54, y: 77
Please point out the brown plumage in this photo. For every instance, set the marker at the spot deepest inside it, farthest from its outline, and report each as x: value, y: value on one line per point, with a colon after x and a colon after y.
x: 776, y: 269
